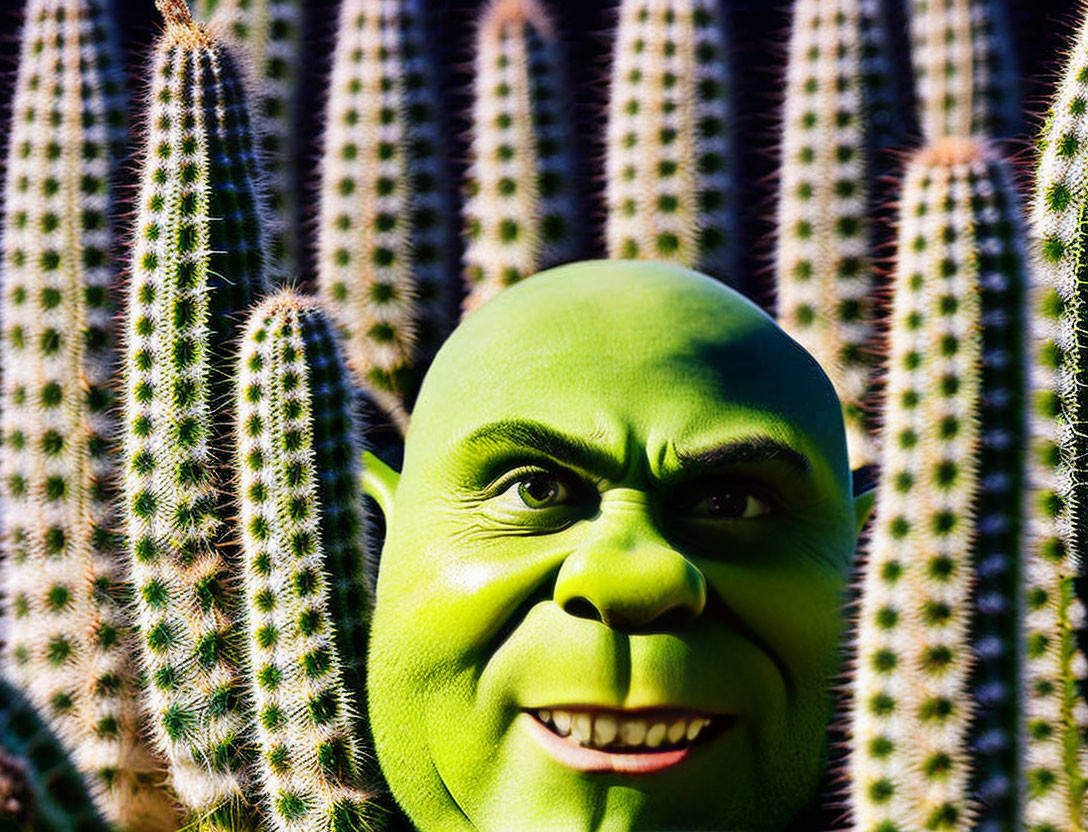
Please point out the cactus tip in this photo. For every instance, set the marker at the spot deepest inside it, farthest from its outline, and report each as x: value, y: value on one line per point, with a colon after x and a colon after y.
x: 501, y: 13
x: 952, y: 150
x: 179, y: 21
x: 175, y: 12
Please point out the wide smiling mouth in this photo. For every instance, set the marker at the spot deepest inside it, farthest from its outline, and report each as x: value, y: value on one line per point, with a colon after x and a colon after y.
x: 644, y: 731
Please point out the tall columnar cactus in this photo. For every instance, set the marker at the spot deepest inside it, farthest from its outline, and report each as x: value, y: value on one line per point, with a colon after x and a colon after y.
x: 197, y: 262
x: 964, y: 68
x: 946, y: 517
x: 303, y: 536
x: 270, y: 32
x: 63, y: 570
x: 824, y: 274
x: 1055, y: 769
x: 670, y: 190
x: 386, y: 289
x: 41, y: 790
x: 522, y: 209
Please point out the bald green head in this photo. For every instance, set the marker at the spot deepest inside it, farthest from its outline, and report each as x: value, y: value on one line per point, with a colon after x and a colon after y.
x: 609, y: 592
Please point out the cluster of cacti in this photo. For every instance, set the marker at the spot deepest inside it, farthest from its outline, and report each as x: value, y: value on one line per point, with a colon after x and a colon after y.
x: 670, y: 189
x: 303, y: 537
x: 228, y: 623
x: 68, y: 640
x: 197, y: 263
x: 1007, y: 750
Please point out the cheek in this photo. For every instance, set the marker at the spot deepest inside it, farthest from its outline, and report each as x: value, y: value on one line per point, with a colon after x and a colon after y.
x: 795, y: 611
x: 453, y: 591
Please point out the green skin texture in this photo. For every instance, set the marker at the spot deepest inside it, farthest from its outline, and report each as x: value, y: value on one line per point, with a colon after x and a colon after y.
x: 648, y: 364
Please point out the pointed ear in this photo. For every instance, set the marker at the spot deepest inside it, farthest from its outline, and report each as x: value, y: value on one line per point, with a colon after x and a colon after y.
x: 380, y: 482
x: 863, y: 507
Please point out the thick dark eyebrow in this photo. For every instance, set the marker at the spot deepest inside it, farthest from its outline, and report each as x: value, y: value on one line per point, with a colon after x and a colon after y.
x: 747, y: 451
x: 560, y: 446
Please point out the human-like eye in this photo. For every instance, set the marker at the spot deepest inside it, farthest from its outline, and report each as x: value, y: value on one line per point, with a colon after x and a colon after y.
x: 730, y: 501
x: 540, y: 489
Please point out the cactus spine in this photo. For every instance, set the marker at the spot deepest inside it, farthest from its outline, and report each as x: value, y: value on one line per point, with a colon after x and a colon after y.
x: 40, y: 788
x: 523, y: 179
x: 1054, y: 712
x: 824, y: 274
x: 270, y: 31
x: 964, y: 68
x: 950, y: 420
x: 670, y: 190
x: 69, y: 635
x: 303, y: 537
x: 367, y: 259
x: 197, y: 261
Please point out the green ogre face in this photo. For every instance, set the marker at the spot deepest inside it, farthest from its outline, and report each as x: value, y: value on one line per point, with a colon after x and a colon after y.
x: 609, y: 593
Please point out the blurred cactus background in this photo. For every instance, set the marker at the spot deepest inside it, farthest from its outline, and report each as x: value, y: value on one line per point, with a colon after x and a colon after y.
x: 221, y: 223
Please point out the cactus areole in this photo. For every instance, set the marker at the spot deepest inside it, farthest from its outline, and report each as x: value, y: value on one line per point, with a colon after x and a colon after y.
x: 612, y: 575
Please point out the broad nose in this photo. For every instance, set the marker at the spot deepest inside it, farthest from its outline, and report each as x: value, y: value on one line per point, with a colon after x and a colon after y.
x: 627, y: 576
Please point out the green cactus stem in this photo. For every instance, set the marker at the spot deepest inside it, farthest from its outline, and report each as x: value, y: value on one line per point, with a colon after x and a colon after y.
x: 270, y: 33
x: 303, y: 536
x: 379, y: 199
x: 670, y: 190
x: 523, y: 178
x: 41, y: 790
x: 824, y: 273
x: 911, y: 768
x: 964, y: 68
x: 196, y: 264
x: 63, y: 569
x: 1054, y: 713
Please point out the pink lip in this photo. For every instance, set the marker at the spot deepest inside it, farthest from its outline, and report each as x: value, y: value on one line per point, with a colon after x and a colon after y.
x: 580, y: 758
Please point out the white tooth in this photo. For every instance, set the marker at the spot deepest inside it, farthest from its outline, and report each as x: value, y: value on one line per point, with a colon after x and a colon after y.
x: 581, y: 727
x: 656, y: 735
x: 677, y: 731
x: 561, y: 720
x: 632, y: 731
x: 604, y: 730
x: 696, y: 727
x: 545, y: 716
